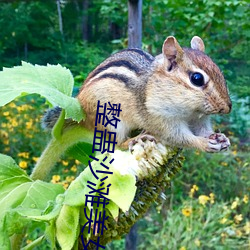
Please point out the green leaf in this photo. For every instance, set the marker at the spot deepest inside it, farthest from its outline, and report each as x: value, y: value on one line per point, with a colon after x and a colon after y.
x: 53, y: 82
x: 57, y: 129
x: 50, y: 234
x: 67, y: 225
x: 45, y: 216
x: 113, y: 209
x: 75, y: 194
x: 14, y: 223
x: 6, y: 186
x: 9, y: 168
x: 4, y: 240
x: 14, y: 198
x: 7, y: 221
x: 28, y: 200
x: 20, y: 197
x: 122, y: 190
x: 34, y: 243
x: 39, y: 194
x: 81, y: 152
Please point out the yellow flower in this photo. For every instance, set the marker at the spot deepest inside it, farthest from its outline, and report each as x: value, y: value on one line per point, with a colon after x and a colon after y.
x: 35, y: 159
x: 238, y: 233
x: 77, y: 162
x: 6, y: 141
x: 234, y: 152
x: 203, y: 199
x: 14, y: 123
x: 238, y: 218
x: 70, y: 178
x: 245, y: 199
x: 6, y: 149
x: 65, y: 185
x: 211, y: 195
x: 197, y: 242
x: 238, y: 159
x: 24, y: 154
x: 187, y: 211
x: 183, y: 248
x: 55, y: 178
x: 29, y: 124
x: 12, y: 105
x: 6, y: 113
x: 23, y: 164
x: 224, y: 164
x: 65, y: 163
x: 247, y: 227
x: 4, y: 134
x: 235, y: 203
x: 223, y: 235
x: 223, y: 220
x: 193, y: 190
x: 23, y: 107
x: 73, y: 168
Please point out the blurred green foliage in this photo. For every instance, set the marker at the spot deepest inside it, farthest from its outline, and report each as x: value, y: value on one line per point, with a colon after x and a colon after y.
x: 30, y: 31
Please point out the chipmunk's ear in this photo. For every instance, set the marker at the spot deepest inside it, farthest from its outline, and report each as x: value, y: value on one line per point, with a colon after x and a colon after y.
x: 171, y: 49
x: 197, y: 43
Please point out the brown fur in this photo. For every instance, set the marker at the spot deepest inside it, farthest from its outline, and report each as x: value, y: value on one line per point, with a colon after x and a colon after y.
x: 156, y: 94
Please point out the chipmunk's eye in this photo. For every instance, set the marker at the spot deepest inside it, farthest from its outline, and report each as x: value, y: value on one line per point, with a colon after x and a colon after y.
x: 197, y: 79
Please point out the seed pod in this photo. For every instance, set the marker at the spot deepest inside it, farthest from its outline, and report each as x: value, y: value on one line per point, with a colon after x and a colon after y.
x: 154, y: 166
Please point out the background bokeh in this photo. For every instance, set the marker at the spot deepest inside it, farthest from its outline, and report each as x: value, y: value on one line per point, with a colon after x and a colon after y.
x: 207, y: 206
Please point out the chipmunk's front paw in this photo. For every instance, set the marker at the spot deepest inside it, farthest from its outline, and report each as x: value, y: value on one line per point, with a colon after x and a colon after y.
x: 141, y: 139
x: 217, y: 142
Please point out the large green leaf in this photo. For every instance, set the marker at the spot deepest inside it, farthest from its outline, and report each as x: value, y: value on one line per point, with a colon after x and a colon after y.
x: 75, y: 194
x: 21, y: 199
x: 121, y: 191
x: 9, y: 168
x: 6, y: 186
x: 53, y: 82
x: 67, y: 226
x: 39, y: 194
x: 81, y: 152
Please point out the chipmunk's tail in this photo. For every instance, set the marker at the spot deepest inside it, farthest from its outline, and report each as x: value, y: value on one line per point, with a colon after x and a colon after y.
x: 50, y: 117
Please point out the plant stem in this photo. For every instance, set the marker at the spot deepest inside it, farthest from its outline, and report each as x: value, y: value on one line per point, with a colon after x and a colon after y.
x: 52, y: 153
x: 58, y: 146
x: 16, y: 240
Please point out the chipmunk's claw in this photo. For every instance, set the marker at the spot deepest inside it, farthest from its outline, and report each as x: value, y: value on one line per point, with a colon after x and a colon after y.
x: 218, y: 142
x: 141, y: 139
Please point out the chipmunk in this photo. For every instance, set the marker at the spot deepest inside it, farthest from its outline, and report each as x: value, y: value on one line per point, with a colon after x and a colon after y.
x: 170, y: 97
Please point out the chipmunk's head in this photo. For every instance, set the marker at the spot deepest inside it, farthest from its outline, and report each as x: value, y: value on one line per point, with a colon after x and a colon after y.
x: 198, y: 77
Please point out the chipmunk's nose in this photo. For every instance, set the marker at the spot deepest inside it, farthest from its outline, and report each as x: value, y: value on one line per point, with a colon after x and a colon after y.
x: 227, y: 108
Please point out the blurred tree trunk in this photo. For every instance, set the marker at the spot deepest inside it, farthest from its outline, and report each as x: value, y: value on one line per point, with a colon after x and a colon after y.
x: 59, y: 17
x: 86, y: 21
x: 134, y: 41
x: 131, y: 238
x: 134, y: 23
